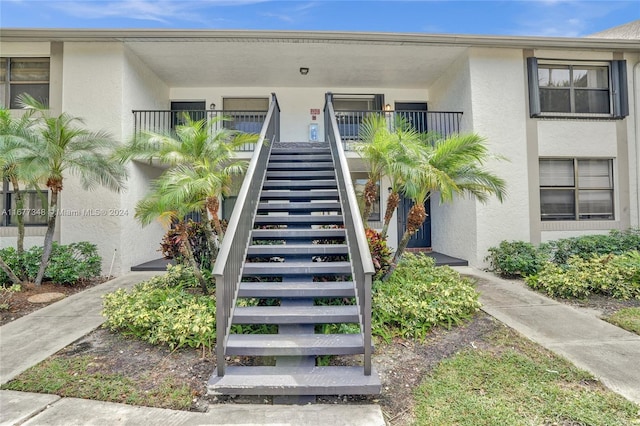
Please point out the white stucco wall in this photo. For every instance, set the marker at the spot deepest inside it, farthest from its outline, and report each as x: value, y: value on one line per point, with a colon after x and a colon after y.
x: 92, y: 81
x: 142, y: 89
x: 453, y: 225
x: 499, y: 114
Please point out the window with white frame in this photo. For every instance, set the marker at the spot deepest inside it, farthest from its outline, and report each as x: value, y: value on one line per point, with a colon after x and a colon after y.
x: 23, y: 75
x: 576, y: 189
x: 578, y: 89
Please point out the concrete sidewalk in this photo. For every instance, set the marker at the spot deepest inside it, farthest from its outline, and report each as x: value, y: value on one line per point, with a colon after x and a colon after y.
x: 608, y: 352
x: 33, y: 338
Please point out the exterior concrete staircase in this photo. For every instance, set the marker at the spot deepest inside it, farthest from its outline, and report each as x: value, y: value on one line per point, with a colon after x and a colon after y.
x: 296, y: 277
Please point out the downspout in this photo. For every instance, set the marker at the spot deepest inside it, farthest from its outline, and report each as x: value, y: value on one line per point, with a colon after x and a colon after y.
x: 636, y: 120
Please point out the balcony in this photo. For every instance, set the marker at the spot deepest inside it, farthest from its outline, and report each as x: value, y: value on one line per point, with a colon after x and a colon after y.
x: 164, y: 121
x: 443, y: 123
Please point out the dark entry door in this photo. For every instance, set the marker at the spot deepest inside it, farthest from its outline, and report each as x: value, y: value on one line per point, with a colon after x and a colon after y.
x: 196, y: 111
x: 415, y: 113
x: 422, y: 238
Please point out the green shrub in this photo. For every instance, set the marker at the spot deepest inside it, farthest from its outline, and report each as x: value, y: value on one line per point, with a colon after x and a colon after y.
x: 617, y: 276
x: 67, y: 265
x: 177, y: 276
x: 585, y: 246
x: 162, y: 315
x: 419, y: 296
x: 517, y: 258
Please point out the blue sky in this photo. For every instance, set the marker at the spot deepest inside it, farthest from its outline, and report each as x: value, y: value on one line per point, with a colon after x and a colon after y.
x: 562, y: 18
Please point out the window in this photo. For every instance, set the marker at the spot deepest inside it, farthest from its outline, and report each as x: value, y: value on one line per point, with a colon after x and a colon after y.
x: 360, y: 179
x: 576, y: 189
x: 248, y: 114
x: 34, y: 211
x: 587, y: 89
x: 23, y: 75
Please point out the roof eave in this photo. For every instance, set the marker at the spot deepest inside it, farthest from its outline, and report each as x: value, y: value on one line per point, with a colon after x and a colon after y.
x: 124, y: 35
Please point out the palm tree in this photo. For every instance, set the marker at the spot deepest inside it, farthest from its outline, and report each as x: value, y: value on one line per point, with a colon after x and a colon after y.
x: 60, y: 147
x: 15, y: 137
x: 375, y: 150
x: 201, y: 157
x: 451, y: 166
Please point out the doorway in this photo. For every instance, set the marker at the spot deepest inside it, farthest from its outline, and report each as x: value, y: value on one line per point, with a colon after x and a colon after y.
x: 195, y: 110
x: 422, y: 238
x: 414, y: 113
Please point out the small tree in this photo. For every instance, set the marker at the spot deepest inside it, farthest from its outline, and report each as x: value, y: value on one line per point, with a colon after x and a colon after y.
x: 451, y: 166
x: 60, y: 146
x: 15, y: 139
x: 375, y: 150
x: 200, y: 155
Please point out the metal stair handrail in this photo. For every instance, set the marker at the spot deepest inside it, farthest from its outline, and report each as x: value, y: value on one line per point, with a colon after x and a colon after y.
x: 230, y: 261
x: 361, y: 263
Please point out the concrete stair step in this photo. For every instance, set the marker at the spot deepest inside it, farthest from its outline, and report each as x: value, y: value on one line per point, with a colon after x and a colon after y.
x: 298, y: 150
x: 327, y: 194
x: 307, y: 175
x: 298, y: 157
x: 302, y: 289
x: 281, y: 269
x: 300, y: 166
x: 295, y: 314
x: 298, y: 234
x: 328, y: 219
x: 294, y: 344
x: 294, y: 381
x: 328, y: 183
x: 298, y: 249
x: 302, y: 206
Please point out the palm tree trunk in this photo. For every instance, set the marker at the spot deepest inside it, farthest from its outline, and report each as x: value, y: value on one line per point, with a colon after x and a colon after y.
x: 392, y: 205
x: 7, y: 270
x: 213, y: 205
x: 188, y: 253
x: 48, y: 237
x: 20, y: 216
x: 416, y: 217
x: 370, y: 195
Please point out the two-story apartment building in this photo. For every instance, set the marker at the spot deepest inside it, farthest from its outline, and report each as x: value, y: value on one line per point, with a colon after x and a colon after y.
x: 562, y: 112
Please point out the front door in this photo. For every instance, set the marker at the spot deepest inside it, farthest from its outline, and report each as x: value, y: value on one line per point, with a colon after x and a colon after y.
x: 422, y: 238
x: 196, y: 111
x: 415, y: 113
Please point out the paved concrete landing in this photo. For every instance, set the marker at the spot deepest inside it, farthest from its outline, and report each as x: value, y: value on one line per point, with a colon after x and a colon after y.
x: 39, y: 409
x: 608, y: 352
x: 34, y: 337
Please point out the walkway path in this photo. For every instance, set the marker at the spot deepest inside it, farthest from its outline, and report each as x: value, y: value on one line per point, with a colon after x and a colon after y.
x: 610, y: 353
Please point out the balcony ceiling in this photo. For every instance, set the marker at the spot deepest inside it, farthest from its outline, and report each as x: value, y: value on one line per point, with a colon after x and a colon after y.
x: 276, y: 63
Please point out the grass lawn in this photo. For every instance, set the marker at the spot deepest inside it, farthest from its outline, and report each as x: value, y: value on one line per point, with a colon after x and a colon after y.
x: 82, y: 378
x: 513, y: 381
x: 627, y: 318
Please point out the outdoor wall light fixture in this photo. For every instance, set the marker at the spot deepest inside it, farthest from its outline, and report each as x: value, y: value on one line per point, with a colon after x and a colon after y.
x: 387, y: 107
x: 304, y: 70
x: 212, y: 106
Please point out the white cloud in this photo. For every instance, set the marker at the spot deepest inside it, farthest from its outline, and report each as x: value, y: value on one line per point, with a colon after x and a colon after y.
x: 561, y: 18
x: 164, y: 11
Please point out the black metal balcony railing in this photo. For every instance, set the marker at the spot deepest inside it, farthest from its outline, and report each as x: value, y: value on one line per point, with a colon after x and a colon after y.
x: 443, y: 123
x: 162, y: 121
